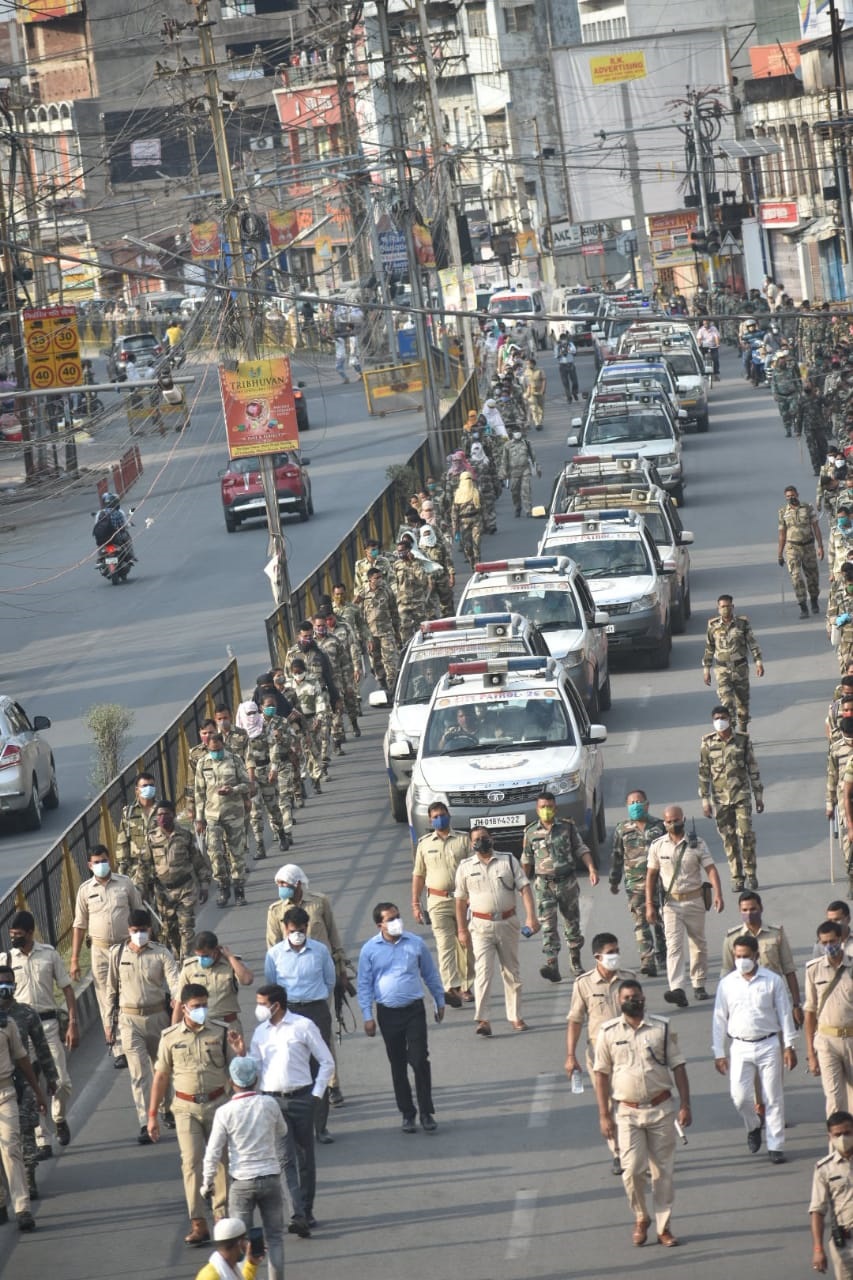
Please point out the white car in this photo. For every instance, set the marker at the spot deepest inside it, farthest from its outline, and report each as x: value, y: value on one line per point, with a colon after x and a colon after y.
x: 27, y: 768
x: 636, y: 426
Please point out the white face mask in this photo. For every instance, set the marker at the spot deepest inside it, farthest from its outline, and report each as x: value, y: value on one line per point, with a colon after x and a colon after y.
x: 139, y: 937
x: 610, y: 960
x: 720, y: 724
x: 394, y: 927
x: 744, y: 964
x: 843, y: 1143
x: 101, y: 870
x: 198, y: 1015
x: 296, y: 939
x: 263, y: 1012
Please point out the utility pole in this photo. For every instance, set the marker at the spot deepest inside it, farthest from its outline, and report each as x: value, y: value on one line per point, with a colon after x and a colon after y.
x: 699, y: 155
x: 448, y: 190
x: 431, y: 401
x: 840, y: 147
x: 355, y: 199
x: 241, y: 289
x: 540, y: 160
x: 633, y: 156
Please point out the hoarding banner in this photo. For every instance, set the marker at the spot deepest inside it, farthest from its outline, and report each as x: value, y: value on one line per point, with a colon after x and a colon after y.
x: 616, y: 68
x: 259, y: 408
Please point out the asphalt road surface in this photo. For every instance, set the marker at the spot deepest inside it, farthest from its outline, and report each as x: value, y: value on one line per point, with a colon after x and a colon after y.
x: 516, y: 1182
x: 72, y: 639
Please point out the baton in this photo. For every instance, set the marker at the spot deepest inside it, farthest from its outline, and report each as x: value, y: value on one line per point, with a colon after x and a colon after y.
x: 782, y: 567
x: 155, y: 917
x: 832, y: 851
x: 682, y: 1135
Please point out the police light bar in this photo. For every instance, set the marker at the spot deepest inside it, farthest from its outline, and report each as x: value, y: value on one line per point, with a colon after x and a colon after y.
x: 530, y: 562
x: 569, y: 518
x: 497, y: 666
x: 464, y: 623
x: 615, y: 513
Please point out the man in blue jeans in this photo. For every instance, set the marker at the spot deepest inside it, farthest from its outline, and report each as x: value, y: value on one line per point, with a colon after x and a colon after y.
x: 393, y: 968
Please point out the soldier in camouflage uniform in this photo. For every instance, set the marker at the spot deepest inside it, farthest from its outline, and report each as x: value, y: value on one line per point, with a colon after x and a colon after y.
x: 831, y: 388
x: 811, y: 422
x: 512, y: 412
x: 197, y: 753
x: 801, y: 545
x: 349, y: 613
x: 382, y: 621
x: 335, y: 650
x: 221, y: 785
x: 840, y: 542
x: 412, y: 591
x: 338, y: 630
x: 841, y: 614
x: 727, y: 773
x: 284, y: 761
x: 487, y: 484
x: 787, y: 389
x: 316, y: 663
x: 467, y: 519
x: 433, y: 545
x: 235, y: 740
x: 628, y: 858
x: 729, y: 641
x: 838, y: 757
x: 372, y: 560
x: 316, y: 729
x: 551, y: 856
x: 181, y: 877
x: 516, y: 466
x: 264, y: 792
x: 137, y: 819
x: 35, y: 1043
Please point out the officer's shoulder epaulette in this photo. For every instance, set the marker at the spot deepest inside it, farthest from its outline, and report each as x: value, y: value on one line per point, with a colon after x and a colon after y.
x: 657, y: 1017
x: 824, y: 1160
x: 734, y: 929
x: 706, y: 737
x: 613, y: 1022
x: 172, y: 1028
x: 814, y: 960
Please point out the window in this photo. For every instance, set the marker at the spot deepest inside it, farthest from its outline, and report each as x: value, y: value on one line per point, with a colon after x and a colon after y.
x: 496, y: 135
x: 519, y: 18
x: 478, y: 20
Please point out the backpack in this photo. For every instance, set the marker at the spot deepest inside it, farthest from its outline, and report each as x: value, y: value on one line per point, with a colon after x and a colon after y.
x: 103, y: 530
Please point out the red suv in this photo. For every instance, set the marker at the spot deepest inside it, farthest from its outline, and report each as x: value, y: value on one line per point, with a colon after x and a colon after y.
x: 243, y: 495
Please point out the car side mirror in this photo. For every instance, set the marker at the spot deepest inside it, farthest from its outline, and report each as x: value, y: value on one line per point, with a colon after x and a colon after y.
x: 685, y: 538
x: 572, y: 440
x: 669, y: 567
x: 40, y: 722
x: 400, y: 751
x: 378, y: 698
x: 597, y: 733
x: 682, y: 414
x: 600, y: 618
x: 306, y: 462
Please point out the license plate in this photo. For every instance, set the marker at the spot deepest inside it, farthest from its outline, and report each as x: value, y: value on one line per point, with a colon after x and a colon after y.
x: 112, y: 561
x: 609, y: 629
x: 508, y: 820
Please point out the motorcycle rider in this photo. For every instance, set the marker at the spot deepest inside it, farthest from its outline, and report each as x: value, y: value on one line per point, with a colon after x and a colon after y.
x: 112, y: 525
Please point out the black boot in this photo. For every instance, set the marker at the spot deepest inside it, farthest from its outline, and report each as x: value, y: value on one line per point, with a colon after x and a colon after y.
x: 804, y: 610
x: 239, y: 893
x: 355, y: 729
x: 224, y: 893
x: 31, y: 1184
x: 815, y: 608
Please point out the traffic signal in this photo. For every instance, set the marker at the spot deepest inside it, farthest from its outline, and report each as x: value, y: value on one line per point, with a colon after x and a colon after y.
x: 699, y: 241
x: 712, y: 242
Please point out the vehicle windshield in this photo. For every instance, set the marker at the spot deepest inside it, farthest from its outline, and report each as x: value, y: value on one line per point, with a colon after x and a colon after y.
x: 497, y: 725
x: 550, y: 610
x: 422, y: 671
x: 657, y: 527
x: 633, y: 426
x: 510, y: 306
x: 636, y: 374
x: 683, y: 364
x: 604, y: 557
x: 245, y: 465
x: 584, y: 302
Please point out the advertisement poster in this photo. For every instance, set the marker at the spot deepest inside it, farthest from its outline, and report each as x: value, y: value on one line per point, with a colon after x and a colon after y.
x: 205, y: 243
x: 259, y: 408
x: 284, y: 227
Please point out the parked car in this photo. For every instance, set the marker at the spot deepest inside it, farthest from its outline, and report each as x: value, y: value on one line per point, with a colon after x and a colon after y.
x: 27, y: 769
x: 146, y: 349
x: 243, y: 494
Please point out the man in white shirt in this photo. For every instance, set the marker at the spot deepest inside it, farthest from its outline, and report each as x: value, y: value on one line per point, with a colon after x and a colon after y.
x: 284, y: 1045
x: 252, y: 1130
x: 752, y: 1008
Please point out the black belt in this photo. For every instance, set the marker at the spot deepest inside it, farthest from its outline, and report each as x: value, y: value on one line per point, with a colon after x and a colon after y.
x: 308, y: 1004
x: 288, y: 1093
x: 745, y: 1039
x: 51, y: 1013
x: 555, y: 875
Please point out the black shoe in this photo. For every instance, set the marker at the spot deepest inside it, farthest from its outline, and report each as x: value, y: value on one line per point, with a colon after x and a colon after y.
x: 259, y: 854
x: 575, y: 958
x: 550, y: 970
x: 336, y: 1098
x: 815, y: 609
x: 355, y: 729
x: 285, y: 840
x: 324, y: 1137
x: 409, y: 1125
x: 616, y: 1167
x: 4, y: 1215
x: 751, y: 882
x: 699, y: 993
x: 737, y: 886
x: 804, y: 610
x: 299, y: 1227
x: 753, y: 1140
x: 777, y: 1157
x: 318, y: 790
x: 429, y: 1124
x: 648, y: 969
x: 312, y: 1222
x: 45, y: 1152
x: 676, y: 997
x: 25, y: 1221
x: 144, y: 1138
x: 454, y: 1000
x: 32, y: 1186
x: 239, y: 894
x: 120, y: 1063
x: 168, y: 1119
x: 517, y: 512
x: 224, y: 895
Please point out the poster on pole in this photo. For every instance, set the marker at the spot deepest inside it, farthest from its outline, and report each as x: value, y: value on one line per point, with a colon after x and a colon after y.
x: 53, y: 348
x: 259, y: 407
x: 205, y: 240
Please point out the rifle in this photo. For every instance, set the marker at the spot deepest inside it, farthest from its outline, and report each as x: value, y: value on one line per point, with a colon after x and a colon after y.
x: 343, y: 988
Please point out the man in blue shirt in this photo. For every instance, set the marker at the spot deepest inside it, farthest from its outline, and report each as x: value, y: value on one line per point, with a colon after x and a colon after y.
x: 306, y: 970
x: 392, y: 969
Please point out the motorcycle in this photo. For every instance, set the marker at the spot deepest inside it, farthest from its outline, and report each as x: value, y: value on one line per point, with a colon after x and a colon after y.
x: 114, y: 561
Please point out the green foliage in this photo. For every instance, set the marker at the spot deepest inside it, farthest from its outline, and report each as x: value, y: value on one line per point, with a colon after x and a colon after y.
x: 109, y: 724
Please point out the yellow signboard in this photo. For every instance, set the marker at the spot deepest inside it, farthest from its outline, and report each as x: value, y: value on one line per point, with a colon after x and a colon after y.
x: 53, y: 348
x: 616, y: 68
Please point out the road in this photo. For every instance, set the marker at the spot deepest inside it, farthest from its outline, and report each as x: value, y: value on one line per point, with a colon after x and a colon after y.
x: 197, y: 592
x: 517, y: 1181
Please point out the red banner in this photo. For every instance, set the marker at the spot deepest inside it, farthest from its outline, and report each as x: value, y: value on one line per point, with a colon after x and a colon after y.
x: 205, y: 240
x: 284, y: 227
x: 424, y: 251
x: 259, y: 408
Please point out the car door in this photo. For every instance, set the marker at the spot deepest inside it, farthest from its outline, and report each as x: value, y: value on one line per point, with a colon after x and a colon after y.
x: 596, y: 640
x: 21, y: 729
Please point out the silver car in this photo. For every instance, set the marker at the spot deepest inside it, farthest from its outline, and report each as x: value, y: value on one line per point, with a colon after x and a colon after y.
x: 27, y: 768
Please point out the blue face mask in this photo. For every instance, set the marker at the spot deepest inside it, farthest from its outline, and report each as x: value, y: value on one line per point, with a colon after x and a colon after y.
x: 285, y: 892
x: 637, y: 810
x: 217, y: 755
x: 269, y: 712
x: 440, y: 822
x: 843, y: 522
x: 206, y: 962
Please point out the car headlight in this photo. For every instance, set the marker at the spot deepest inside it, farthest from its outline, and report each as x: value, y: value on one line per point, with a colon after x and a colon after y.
x: 422, y: 795
x: 573, y: 658
x: 397, y: 735
x: 667, y: 460
x: 647, y: 601
x: 564, y: 784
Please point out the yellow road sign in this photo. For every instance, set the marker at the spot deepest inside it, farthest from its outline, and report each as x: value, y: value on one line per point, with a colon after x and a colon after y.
x: 53, y: 348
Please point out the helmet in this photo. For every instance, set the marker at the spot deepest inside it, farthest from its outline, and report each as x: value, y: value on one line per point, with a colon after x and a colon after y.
x: 110, y: 500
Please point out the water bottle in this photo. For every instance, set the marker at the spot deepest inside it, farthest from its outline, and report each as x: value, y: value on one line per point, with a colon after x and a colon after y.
x: 577, y: 1080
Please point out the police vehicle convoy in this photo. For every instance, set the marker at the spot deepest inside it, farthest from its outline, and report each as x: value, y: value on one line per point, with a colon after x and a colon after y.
x: 618, y: 423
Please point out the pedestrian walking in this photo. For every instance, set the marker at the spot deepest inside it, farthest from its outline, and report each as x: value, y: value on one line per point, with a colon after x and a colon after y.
x: 832, y: 1199
x: 341, y: 357
x: 221, y: 783
x: 828, y: 1017
x: 133, y: 857
x: 729, y: 641
x: 180, y: 877
x: 800, y: 545
x: 437, y: 859
x: 564, y: 353
x: 728, y: 779
x: 222, y: 973
x: 629, y: 858
x: 35, y: 1045
x: 774, y: 951
x: 232, y: 1244
x: 552, y: 854
x: 13, y: 1057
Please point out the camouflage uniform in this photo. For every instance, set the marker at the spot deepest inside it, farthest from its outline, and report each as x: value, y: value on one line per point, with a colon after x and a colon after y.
x: 441, y: 554
x: 555, y: 857
x: 811, y: 422
x: 180, y: 870
x: 383, y: 623
x: 352, y: 615
x: 349, y: 687
x: 197, y: 753
x: 727, y: 772
x: 841, y: 604
x: 838, y: 756
x: 485, y: 482
x: 235, y: 741
x: 839, y: 543
x: 334, y: 649
x: 133, y: 858
x: 363, y: 566
x: 38, y: 1050
x: 832, y: 385
x: 265, y: 799
x: 467, y: 521
x: 412, y: 593
x: 315, y: 734
x: 628, y: 857
x: 800, y: 551
x: 224, y: 816
x: 284, y: 762
x: 727, y: 646
x: 516, y: 466
x: 786, y: 388
x: 317, y: 666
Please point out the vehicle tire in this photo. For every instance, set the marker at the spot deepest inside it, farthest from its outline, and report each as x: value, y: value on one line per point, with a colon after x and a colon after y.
x: 32, y: 815
x: 51, y: 800
x: 398, y: 802
x: 605, y: 696
x: 677, y: 495
x: 679, y: 618
x: 601, y: 823
x: 311, y: 504
x: 304, y: 513
x: 231, y: 524
x: 115, y: 579
x: 702, y: 424
x: 688, y: 604
x: 659, y: 660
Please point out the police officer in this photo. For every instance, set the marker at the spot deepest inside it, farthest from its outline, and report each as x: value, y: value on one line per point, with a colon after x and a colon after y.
x: 637, y: 1060
x: 629, y: 857
x: 551, y: 855
x: 35, y: 1042
x: 137, y: 819
x: 828, y: 1011
x: 100, y: 915
x: 221, y: 782
x: 216, y: 968
x: 13, y: 1057
x: 729, y: 641
x: 437, y: 858
x: 595, y: 1000
x: 143, y: 975
x: 37, y: 969
x: 192, y: 1059
x: 181, y: 877
x: 801, y: 545
x: 383, y: 622
x: 832, y: 1197
x: 838, y: 757
x: 727, y: 771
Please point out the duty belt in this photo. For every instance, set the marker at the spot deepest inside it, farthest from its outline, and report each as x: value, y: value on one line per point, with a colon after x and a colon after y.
x: 663, y: 1096
x: 493, y: 915
x: 440, y: 893
x: 200, y: 1097
x: 685, y: 897
x: 142, y: 1010
x: 51, y: 1013
x: 843, y: 1032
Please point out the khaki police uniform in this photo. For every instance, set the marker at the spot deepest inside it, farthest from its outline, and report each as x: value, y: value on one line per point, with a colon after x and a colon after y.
x: 220, y: 982
x: 774, y: 951
x: 36, y: 975
x: 12, y: 1051
x: 680, y: 871
x: 102, y: 911
x: 640, y: 1061
x: 832, y: 1196
x: 139, y: 982
x: 491, y: 888
x: 196, y: 1062
x: 436, y: 860
x: 833, y: 1040
x: 595, y: 1000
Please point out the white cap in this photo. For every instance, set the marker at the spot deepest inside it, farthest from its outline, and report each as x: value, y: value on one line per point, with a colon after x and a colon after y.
x: 229, y: 1229
x: 292, y: 874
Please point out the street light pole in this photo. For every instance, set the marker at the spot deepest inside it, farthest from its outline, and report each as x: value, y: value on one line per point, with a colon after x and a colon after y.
x: 840, y: 147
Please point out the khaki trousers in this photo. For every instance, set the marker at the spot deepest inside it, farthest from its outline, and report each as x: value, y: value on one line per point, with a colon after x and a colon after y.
x: 496, y: 940
x: 10, y: 1148
x: 140, y: 1040
x: 193, y: 1123
x: 835, y: 1059
x: 647, y: 1142
x: 59, y: 1102
x: 842, y: 1260
x: 100, y: 972
x: 455, y: 962
x: 683, y: 923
